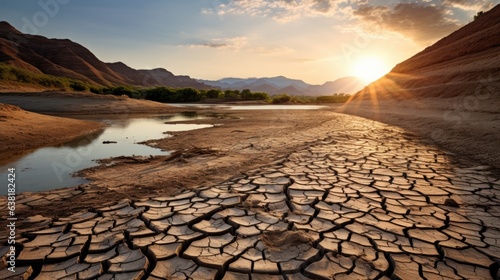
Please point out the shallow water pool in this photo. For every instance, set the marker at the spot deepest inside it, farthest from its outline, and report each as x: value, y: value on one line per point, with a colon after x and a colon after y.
x: 52, y: 167
x: 250, y: 107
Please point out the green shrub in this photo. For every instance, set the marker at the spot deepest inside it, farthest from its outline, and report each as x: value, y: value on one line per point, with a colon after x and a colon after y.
x: 188, y: 95
x: 280, y: 98
x: 336, y: 98
x: 160, y: 94
x: 77, y: 86
x: 232, y: 94
x: 246, y: 94
x: 95, y: 90
x: 478, y: 15
x: 214, y: 93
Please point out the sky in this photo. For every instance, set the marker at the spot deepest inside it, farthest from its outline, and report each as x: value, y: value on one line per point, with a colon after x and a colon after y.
x: 312, y: 40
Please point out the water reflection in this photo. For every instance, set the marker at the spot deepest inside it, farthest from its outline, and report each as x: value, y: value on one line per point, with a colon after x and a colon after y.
x: 52, y: 167
x: 249, y: 107
x: 83, y: 141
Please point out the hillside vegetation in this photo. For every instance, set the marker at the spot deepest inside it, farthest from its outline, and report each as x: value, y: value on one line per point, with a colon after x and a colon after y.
x: 11, y: 75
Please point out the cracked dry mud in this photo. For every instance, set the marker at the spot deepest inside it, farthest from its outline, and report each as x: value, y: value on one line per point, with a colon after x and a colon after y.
x: 358, y: 205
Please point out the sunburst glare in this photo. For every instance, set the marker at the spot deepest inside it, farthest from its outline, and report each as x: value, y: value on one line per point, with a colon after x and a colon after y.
x: 370, y: 68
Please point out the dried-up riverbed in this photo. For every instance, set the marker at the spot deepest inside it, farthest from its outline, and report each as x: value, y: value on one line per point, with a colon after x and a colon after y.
x: 358, y: 200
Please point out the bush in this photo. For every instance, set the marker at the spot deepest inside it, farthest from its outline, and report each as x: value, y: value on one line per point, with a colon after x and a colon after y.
x: 260, y: 96
x: 336, y: 98
x: 167, y: 95
x: 95, y: 90
x: 158, y: 94
x: 188, y: 95
x: 281, y: 98
x: 232, y: 94
x: 214, y: 93
x: 77, y: 86
x: 478, y: 15
x: 246, y: 94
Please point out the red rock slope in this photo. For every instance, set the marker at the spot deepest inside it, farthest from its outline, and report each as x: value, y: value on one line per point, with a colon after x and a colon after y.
x: 65, y: 58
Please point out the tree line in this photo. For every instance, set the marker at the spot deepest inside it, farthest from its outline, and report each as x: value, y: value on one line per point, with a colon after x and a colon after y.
x: 15, y: 75
x: 188, y: 95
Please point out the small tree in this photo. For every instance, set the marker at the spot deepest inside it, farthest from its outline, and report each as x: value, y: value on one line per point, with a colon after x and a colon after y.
x: 232, y: 94
x: 480, y: 13
x: 214, y: 93
x: 189, y: 95
x: 281, y: 98
x: 246, y: 94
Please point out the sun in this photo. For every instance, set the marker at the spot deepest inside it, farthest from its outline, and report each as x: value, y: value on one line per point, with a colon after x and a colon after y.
x: 370, y: 68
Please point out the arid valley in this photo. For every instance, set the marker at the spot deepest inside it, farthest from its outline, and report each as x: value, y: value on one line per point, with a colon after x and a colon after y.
x: 112, y: 172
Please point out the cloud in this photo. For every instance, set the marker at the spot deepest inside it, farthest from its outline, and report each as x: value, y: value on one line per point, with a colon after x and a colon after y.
x: 235, y: 43
x: 280, y: 10
x: 239, y: 44
x: 471, y: 5
x: 420, y: 22
x: 271, y: 50
x: 207, y: 11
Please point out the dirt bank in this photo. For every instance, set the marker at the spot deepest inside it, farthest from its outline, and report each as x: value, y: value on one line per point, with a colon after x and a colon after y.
x: 81, y: 103
x: 22, y: 130
x: 466, y: 125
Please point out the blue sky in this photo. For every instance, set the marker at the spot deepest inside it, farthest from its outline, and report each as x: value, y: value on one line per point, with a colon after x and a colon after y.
x: 312, y: 40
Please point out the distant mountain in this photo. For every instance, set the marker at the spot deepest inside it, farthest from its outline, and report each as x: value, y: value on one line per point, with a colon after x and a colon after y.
x: 65, y: 58
x: 275, y: 82
x: 347, y: 85
x: 280, y: 84
x: 153, y: 77
x: 459, y: 64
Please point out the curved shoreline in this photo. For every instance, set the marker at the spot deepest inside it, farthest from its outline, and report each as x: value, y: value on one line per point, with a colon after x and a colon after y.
x: 24, y: 131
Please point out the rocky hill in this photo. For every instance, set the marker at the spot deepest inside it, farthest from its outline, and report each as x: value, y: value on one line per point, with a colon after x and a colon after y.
x: 458, y: 64
x: 64, y: 58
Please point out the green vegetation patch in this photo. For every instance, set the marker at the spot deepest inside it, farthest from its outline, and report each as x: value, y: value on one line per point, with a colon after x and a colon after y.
x: 13, y: 74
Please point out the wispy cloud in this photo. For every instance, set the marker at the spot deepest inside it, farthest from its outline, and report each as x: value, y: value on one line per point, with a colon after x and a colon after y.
x: 280, y: 10
x: 471, y: 5
x: 239, y: 44
x: 235, y: 43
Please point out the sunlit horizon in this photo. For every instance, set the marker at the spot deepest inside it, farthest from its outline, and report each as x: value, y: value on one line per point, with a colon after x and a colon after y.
x: 370, y: 69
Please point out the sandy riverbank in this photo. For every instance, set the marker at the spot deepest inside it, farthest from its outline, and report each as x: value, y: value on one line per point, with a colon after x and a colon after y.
x: 81, y: 103
x: 22, y: 130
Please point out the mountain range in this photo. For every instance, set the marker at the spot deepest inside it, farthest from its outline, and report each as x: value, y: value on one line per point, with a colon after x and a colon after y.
x: 64, y: 58
x: 459, y: 64
x: 280, y: 84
